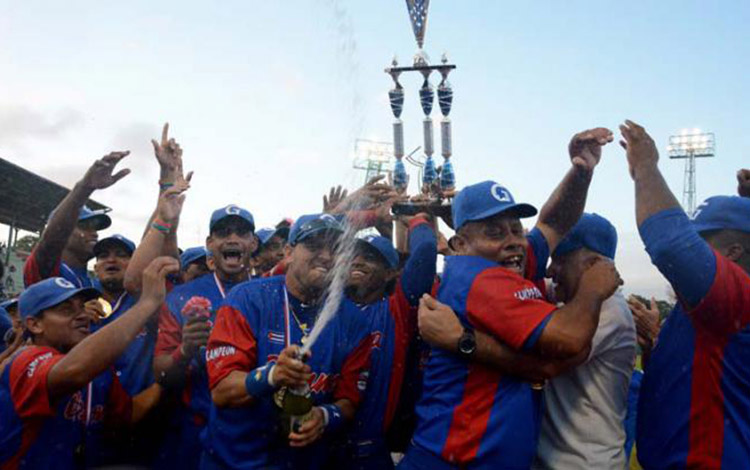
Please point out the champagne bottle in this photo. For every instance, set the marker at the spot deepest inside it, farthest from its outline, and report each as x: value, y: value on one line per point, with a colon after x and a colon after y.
x: 297, y: 406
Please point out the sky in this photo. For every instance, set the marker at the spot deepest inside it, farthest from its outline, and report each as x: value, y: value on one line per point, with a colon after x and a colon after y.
x: 267, y: 98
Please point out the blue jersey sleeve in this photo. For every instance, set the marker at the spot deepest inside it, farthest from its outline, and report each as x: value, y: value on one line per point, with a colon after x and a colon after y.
x: 680, y: 254
x: 419, y: 272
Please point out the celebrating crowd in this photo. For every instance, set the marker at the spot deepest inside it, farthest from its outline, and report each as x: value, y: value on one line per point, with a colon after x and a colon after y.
x: 519, y: 354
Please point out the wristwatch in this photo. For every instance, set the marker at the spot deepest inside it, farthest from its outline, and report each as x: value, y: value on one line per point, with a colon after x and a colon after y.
x: 467, y: 343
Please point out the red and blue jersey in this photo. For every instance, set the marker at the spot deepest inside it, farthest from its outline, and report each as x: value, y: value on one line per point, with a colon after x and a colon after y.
x: 395, y: 323
x: 470, y: 414
x: 694, y: 405
x: 37, y: 433
x: 31, y: 274
x: 182, y: 447
x: 134, y: 367
x: 252, y: 328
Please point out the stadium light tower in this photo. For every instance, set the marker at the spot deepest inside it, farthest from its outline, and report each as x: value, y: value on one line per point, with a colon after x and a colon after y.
x: 690, y: 144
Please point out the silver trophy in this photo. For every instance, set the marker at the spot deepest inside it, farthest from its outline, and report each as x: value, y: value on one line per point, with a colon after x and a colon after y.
x: 438, y: 183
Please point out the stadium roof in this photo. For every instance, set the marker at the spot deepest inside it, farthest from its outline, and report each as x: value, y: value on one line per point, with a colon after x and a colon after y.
x: 26, y: 199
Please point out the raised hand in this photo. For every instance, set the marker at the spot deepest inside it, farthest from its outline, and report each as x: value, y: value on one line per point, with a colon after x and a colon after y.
x: 195, y: 334
x: 335, y: 196
x: 100, y: 174
x: 743, y: 183
x: 585, y: 148
x: 171, y: 201
x: 639, y: 146
x: 154, y: 280
x: 169, y: 155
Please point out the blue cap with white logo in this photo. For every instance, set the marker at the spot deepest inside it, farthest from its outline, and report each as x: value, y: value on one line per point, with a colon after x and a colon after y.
x: 231, y: 211
x: 48, y: 293
x: 191, y: 255
x: 723, y: 213
x: 593, y: 232
x: 482, y: 200
x: 312, y: 224
x: 384, y: 247
x: 116, y: 240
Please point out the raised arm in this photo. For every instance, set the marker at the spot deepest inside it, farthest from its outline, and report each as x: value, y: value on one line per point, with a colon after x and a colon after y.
x: 156, y: 238
x: 420, y: 269
x: 565, y: 206
x: 65, y: 217
x: 100, y: 350
x: 674, y: 246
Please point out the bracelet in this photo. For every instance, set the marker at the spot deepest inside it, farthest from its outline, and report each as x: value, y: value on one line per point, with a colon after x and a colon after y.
x: 162, y: 227
x: 165, y: 186
x: 333, y: 419
x: 257, y: 381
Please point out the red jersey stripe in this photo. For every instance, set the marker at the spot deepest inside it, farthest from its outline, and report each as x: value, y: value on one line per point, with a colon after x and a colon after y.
x: 470, y: 417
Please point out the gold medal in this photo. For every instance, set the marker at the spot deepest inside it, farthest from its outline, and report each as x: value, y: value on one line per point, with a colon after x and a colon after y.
x: 303, y: 340
x: 106, y: 307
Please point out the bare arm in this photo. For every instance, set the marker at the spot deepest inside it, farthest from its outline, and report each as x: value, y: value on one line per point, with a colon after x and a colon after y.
x: 65, y: 217
x: 440, y: 327
x: 652, y: 195
x: 100, y: 350
x: 231, y: 391
x: 156, y: 241
x: 565, y: 206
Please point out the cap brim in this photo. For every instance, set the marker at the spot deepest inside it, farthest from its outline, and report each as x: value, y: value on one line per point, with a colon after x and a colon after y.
x: 318, y: 231
x: 102, y: 220
x: 521, y: 210
x: 88, y: 292
x: 374, y: 249
x: 216, y: 222
x: 282, y: 232
x: 110, y: 241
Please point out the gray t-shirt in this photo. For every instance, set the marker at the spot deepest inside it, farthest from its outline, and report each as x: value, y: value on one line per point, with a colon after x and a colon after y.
x: 582, y: 425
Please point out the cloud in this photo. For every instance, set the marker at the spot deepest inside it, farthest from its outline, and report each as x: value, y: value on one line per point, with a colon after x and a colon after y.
x: 19, y: 122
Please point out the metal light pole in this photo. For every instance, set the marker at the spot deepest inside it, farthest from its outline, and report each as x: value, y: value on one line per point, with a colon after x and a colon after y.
x: 690, y: 144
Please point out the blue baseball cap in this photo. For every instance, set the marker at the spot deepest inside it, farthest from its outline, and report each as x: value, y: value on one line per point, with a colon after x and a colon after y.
x: 99, y: 216
x: 9, y: 304
x: 191, y: 255
x: 482, y: 200
x: 231, y: 211
x: 383, y: 246
x: 723, y: 213
x: 593, y: 232
x: 312, y: 224
x: 48, y: 293
x: 115, y: 239
x: 266, y: 234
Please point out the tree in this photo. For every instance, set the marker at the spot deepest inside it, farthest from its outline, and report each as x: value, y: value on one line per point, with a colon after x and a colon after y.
x: 26, y: 243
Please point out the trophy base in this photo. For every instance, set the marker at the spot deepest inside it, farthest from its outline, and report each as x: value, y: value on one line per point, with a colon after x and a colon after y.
x: 434, y: 208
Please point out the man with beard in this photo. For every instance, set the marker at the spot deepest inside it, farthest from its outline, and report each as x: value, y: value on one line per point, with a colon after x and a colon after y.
x: 56, y: 394
x: 67, y: 243
x: 389, y: 301
x: 471, y: 415
x: 694, y: 405
x: 270, y: 252
x: 186, y: 322
x: 253, y: 361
